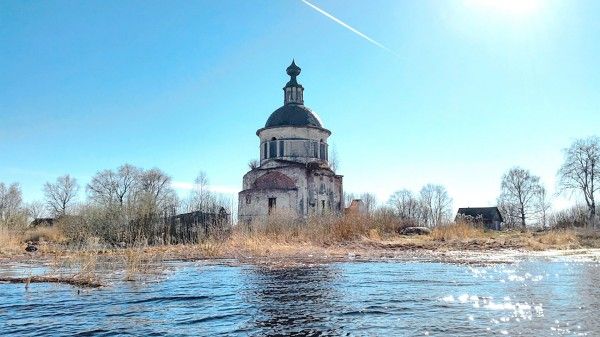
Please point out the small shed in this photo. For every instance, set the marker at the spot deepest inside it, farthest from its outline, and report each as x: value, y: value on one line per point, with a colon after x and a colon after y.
x: 490, y: 217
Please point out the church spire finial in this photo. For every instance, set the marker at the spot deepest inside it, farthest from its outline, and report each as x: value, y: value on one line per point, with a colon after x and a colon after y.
x: 293, y: 70
x: 293, y: 91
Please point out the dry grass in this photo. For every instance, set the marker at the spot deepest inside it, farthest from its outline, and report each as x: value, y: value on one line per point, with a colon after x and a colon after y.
x: 44, y: 234
x: 88, y: 264
x: 10, y: 241
x: 554, y: 239
x: 210, y: 248
x: 457, y: 231
x: 253, y: 244
x: 281, y: 236
x: 14, y: 241
x: 140, y: 261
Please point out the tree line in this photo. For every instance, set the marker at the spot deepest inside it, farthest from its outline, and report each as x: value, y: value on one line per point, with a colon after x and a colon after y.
x: 122, y: 205
x: 431, y: 207
x: 523, y: 200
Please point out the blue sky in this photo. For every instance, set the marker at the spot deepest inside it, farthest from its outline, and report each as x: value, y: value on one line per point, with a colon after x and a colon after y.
x: 469, y: 89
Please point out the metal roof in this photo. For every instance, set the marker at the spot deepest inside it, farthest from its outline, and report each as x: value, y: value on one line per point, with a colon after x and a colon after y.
x: 293, y: 115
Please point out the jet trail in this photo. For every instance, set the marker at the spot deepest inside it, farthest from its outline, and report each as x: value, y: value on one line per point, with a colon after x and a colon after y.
x: 350, y: 28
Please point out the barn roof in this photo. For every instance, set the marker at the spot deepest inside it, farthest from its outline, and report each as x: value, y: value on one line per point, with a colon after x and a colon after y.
x: 486, y: 213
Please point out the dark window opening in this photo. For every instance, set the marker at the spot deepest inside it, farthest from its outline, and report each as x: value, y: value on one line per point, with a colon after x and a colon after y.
x: 323, y: 151
x: 281, y: 148
x: 272, y: 149
x: 265, y: 150
x: 323, y: 206
x: 315, y: 150
x: 272, y: 204
x: 248, y: 199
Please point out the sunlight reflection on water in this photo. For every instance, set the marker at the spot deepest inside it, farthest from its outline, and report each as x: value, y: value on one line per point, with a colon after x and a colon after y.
x: 375, y: 298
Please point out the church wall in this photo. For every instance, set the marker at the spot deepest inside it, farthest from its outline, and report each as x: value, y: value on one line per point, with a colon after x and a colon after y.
x: 258, y: 208
x: 293, y: 132
x: 325, y: 193
x: 292, y: 200
x: 317, y: 192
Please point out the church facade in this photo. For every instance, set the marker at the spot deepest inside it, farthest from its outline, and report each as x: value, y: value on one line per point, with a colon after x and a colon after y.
x: 294, y: 176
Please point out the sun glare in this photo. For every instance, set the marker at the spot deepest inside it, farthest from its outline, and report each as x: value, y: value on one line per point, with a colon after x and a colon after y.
x: 511, y: 7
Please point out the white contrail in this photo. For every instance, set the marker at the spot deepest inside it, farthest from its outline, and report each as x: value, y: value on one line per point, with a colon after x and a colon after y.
x: 347, y: 26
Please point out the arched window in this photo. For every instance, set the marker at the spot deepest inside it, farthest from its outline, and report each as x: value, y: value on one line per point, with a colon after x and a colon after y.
x: 264, y: 152
x: 273, y: 148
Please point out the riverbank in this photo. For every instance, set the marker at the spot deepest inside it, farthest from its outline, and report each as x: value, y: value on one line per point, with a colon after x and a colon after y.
x: 277, y: 246
x: 93, y: 264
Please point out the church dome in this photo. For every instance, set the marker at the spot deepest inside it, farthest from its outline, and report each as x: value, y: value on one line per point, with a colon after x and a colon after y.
x: 293, y: 115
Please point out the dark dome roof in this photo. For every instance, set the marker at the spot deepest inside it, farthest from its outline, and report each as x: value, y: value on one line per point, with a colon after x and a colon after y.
x: 293, y: 115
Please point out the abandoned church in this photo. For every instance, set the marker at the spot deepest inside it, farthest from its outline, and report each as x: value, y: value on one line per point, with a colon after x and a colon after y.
x: 293, y: 176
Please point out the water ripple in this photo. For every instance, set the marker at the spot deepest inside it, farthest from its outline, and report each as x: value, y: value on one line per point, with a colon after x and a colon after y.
x: 345, y: 299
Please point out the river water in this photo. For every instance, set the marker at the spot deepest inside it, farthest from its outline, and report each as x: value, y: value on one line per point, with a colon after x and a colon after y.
x: 534, y: 297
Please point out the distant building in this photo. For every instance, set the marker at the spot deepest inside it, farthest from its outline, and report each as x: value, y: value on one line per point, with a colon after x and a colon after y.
x: 356, y: 207
x: 294, y: 176
x: 191, y: 227
x: 42, y: 222
x: 489, y: 217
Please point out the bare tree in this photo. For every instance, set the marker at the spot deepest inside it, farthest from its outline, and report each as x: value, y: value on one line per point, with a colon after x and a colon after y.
x: 60, y: 195
x: 406, y: 205
x: 520, y: 194
x: 543, y: 207
x: 109, y: 187
x: 334, y: 160
x: 202, y: 198
x: 348, y: 197
x: 370, y: 201
x: 154, y: 199
x: 11, y: 210
x: 581, y: 172
x: 102, y: 188
x: 436, y: 203
x: 155, y: 191
x: 510, y: 213
x: 36, y: 209
x: 128, y: 178
x: 576, y: 216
